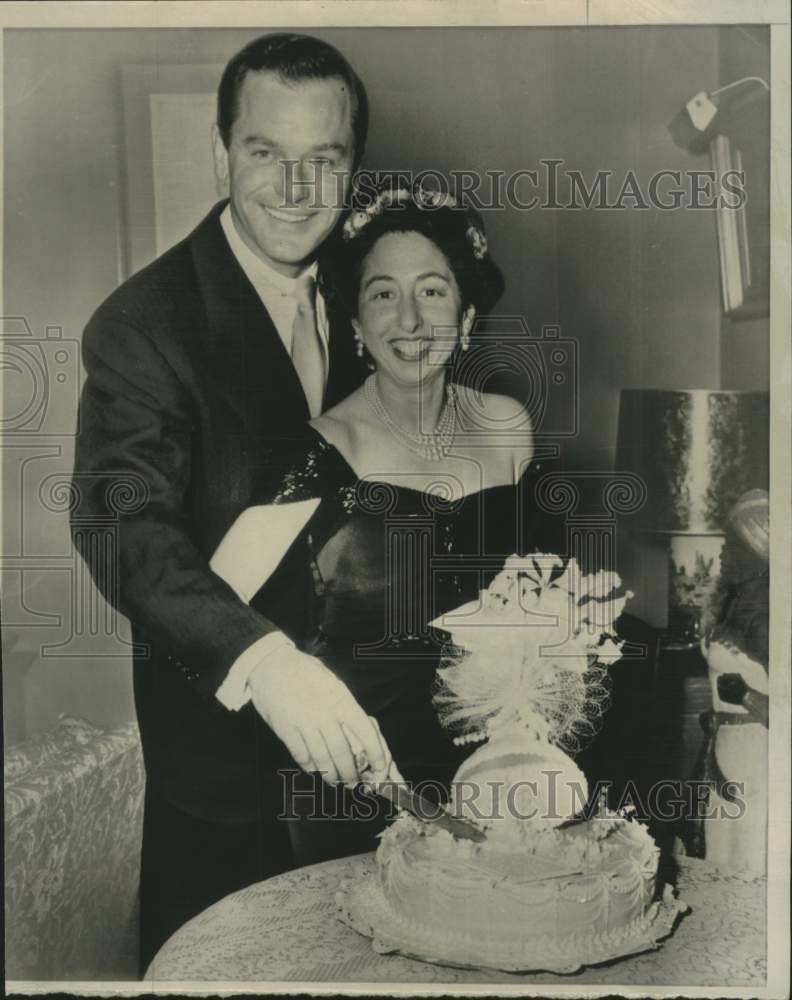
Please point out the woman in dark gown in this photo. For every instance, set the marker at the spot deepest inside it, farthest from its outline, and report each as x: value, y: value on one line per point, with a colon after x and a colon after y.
x: 368, y: 526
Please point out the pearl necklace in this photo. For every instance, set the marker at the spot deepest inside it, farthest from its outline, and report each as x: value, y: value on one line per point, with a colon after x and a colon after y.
x: 432, y: 447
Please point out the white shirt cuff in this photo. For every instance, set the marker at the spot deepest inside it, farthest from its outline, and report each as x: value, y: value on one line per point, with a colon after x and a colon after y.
x: 234, y: 692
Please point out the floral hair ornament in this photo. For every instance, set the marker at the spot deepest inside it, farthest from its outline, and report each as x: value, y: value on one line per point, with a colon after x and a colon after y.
x: 423, y: 198
x: 478, y: 241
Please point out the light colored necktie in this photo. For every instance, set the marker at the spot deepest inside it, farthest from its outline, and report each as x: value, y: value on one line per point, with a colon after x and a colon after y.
x: 307, y: 353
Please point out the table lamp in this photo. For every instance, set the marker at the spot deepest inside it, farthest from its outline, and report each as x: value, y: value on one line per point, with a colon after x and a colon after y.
x: 697, y: 451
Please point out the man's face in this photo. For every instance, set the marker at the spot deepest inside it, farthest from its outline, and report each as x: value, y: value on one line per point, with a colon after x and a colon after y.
x: 288, y: 165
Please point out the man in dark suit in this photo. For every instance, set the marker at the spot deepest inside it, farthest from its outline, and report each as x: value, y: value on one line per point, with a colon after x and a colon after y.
x: 193, y: 365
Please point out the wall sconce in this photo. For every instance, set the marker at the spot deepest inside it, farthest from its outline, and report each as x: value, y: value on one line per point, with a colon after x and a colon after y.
x: 702, y: 118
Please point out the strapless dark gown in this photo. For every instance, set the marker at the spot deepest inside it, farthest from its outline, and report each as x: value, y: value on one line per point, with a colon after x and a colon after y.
x: 373, y: 566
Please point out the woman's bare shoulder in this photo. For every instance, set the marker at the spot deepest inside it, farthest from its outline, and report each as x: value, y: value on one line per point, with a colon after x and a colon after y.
x: 339, y: 424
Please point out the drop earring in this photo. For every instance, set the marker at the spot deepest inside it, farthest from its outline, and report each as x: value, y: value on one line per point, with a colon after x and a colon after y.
x: 358, y: 345
x: 467, y: 323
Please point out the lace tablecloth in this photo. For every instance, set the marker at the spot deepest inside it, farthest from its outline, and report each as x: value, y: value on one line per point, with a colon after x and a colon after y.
x: 286, y: 930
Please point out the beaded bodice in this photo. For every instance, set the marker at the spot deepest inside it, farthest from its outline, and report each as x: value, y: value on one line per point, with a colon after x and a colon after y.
x: 377, y: 562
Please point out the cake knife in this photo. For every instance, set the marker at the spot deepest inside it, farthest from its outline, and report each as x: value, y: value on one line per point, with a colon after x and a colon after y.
x: 399, y: 793
x: 417, y: 805
x: 422, y: 808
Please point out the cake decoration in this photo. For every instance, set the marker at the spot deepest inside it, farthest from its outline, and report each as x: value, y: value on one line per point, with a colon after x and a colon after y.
x: 548, y: 888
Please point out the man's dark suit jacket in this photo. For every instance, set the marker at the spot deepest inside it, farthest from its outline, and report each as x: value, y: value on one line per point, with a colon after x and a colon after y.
x: 188, y: 386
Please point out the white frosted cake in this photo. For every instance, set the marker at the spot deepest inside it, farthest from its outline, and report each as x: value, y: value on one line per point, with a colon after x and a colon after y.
x: 544, y: 889
x: 532, y: 896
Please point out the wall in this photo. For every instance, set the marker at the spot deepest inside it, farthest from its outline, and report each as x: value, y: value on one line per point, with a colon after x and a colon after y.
x: 637, y: 289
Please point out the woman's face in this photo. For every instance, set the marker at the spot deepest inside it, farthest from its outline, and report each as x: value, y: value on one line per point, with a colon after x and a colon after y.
x: 409, y: 307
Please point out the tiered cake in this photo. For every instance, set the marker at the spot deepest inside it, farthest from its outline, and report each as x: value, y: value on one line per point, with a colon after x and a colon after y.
x: 546, y: 889
x: 529, y: 897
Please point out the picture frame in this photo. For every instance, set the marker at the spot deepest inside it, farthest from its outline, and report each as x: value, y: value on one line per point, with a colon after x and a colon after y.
x: 168, y: 177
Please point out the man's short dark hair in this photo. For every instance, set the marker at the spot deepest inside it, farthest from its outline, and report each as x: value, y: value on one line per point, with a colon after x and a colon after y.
x: 293, y: 58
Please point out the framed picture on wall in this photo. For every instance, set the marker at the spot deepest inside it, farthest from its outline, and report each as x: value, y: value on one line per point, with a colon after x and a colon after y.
x: 169, y: 182
x: 744, y: 231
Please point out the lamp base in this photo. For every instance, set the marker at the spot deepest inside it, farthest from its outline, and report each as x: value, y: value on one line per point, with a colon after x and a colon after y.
x: 694, y: 573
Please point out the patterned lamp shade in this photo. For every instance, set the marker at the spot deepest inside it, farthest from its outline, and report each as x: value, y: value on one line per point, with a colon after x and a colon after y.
x: 697, y: 451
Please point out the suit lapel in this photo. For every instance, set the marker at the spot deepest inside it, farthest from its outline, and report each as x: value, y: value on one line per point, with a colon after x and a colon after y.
x: 347, y: 371
x: 250, y: 366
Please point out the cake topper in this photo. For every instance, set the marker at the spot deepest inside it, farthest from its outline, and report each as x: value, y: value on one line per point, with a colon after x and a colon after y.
x: 530, y: 655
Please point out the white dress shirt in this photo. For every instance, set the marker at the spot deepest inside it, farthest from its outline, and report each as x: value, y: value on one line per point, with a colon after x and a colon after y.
x: 276, y: 292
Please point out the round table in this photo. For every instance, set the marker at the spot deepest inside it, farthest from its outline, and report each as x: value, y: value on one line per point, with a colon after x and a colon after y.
x: 286, y: 930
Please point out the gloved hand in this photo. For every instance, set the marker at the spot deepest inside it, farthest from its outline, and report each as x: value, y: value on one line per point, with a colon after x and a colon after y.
x: 368, y: 774
x: 316, y: 716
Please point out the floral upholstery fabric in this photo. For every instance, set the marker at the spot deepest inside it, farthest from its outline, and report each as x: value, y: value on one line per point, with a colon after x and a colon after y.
x: 73, y: 822
x: 40, y: 750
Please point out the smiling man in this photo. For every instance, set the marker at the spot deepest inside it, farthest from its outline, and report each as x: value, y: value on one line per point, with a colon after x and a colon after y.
x: 194, y: 367
x: 287, y: 156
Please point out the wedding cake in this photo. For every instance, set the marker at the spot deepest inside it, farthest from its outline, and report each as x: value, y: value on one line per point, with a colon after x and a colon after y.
x: 546, y: 889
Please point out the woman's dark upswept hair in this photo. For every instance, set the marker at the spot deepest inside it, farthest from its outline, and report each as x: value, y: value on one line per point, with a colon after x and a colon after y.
x: 480, y: 282
x: 294, y: 58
